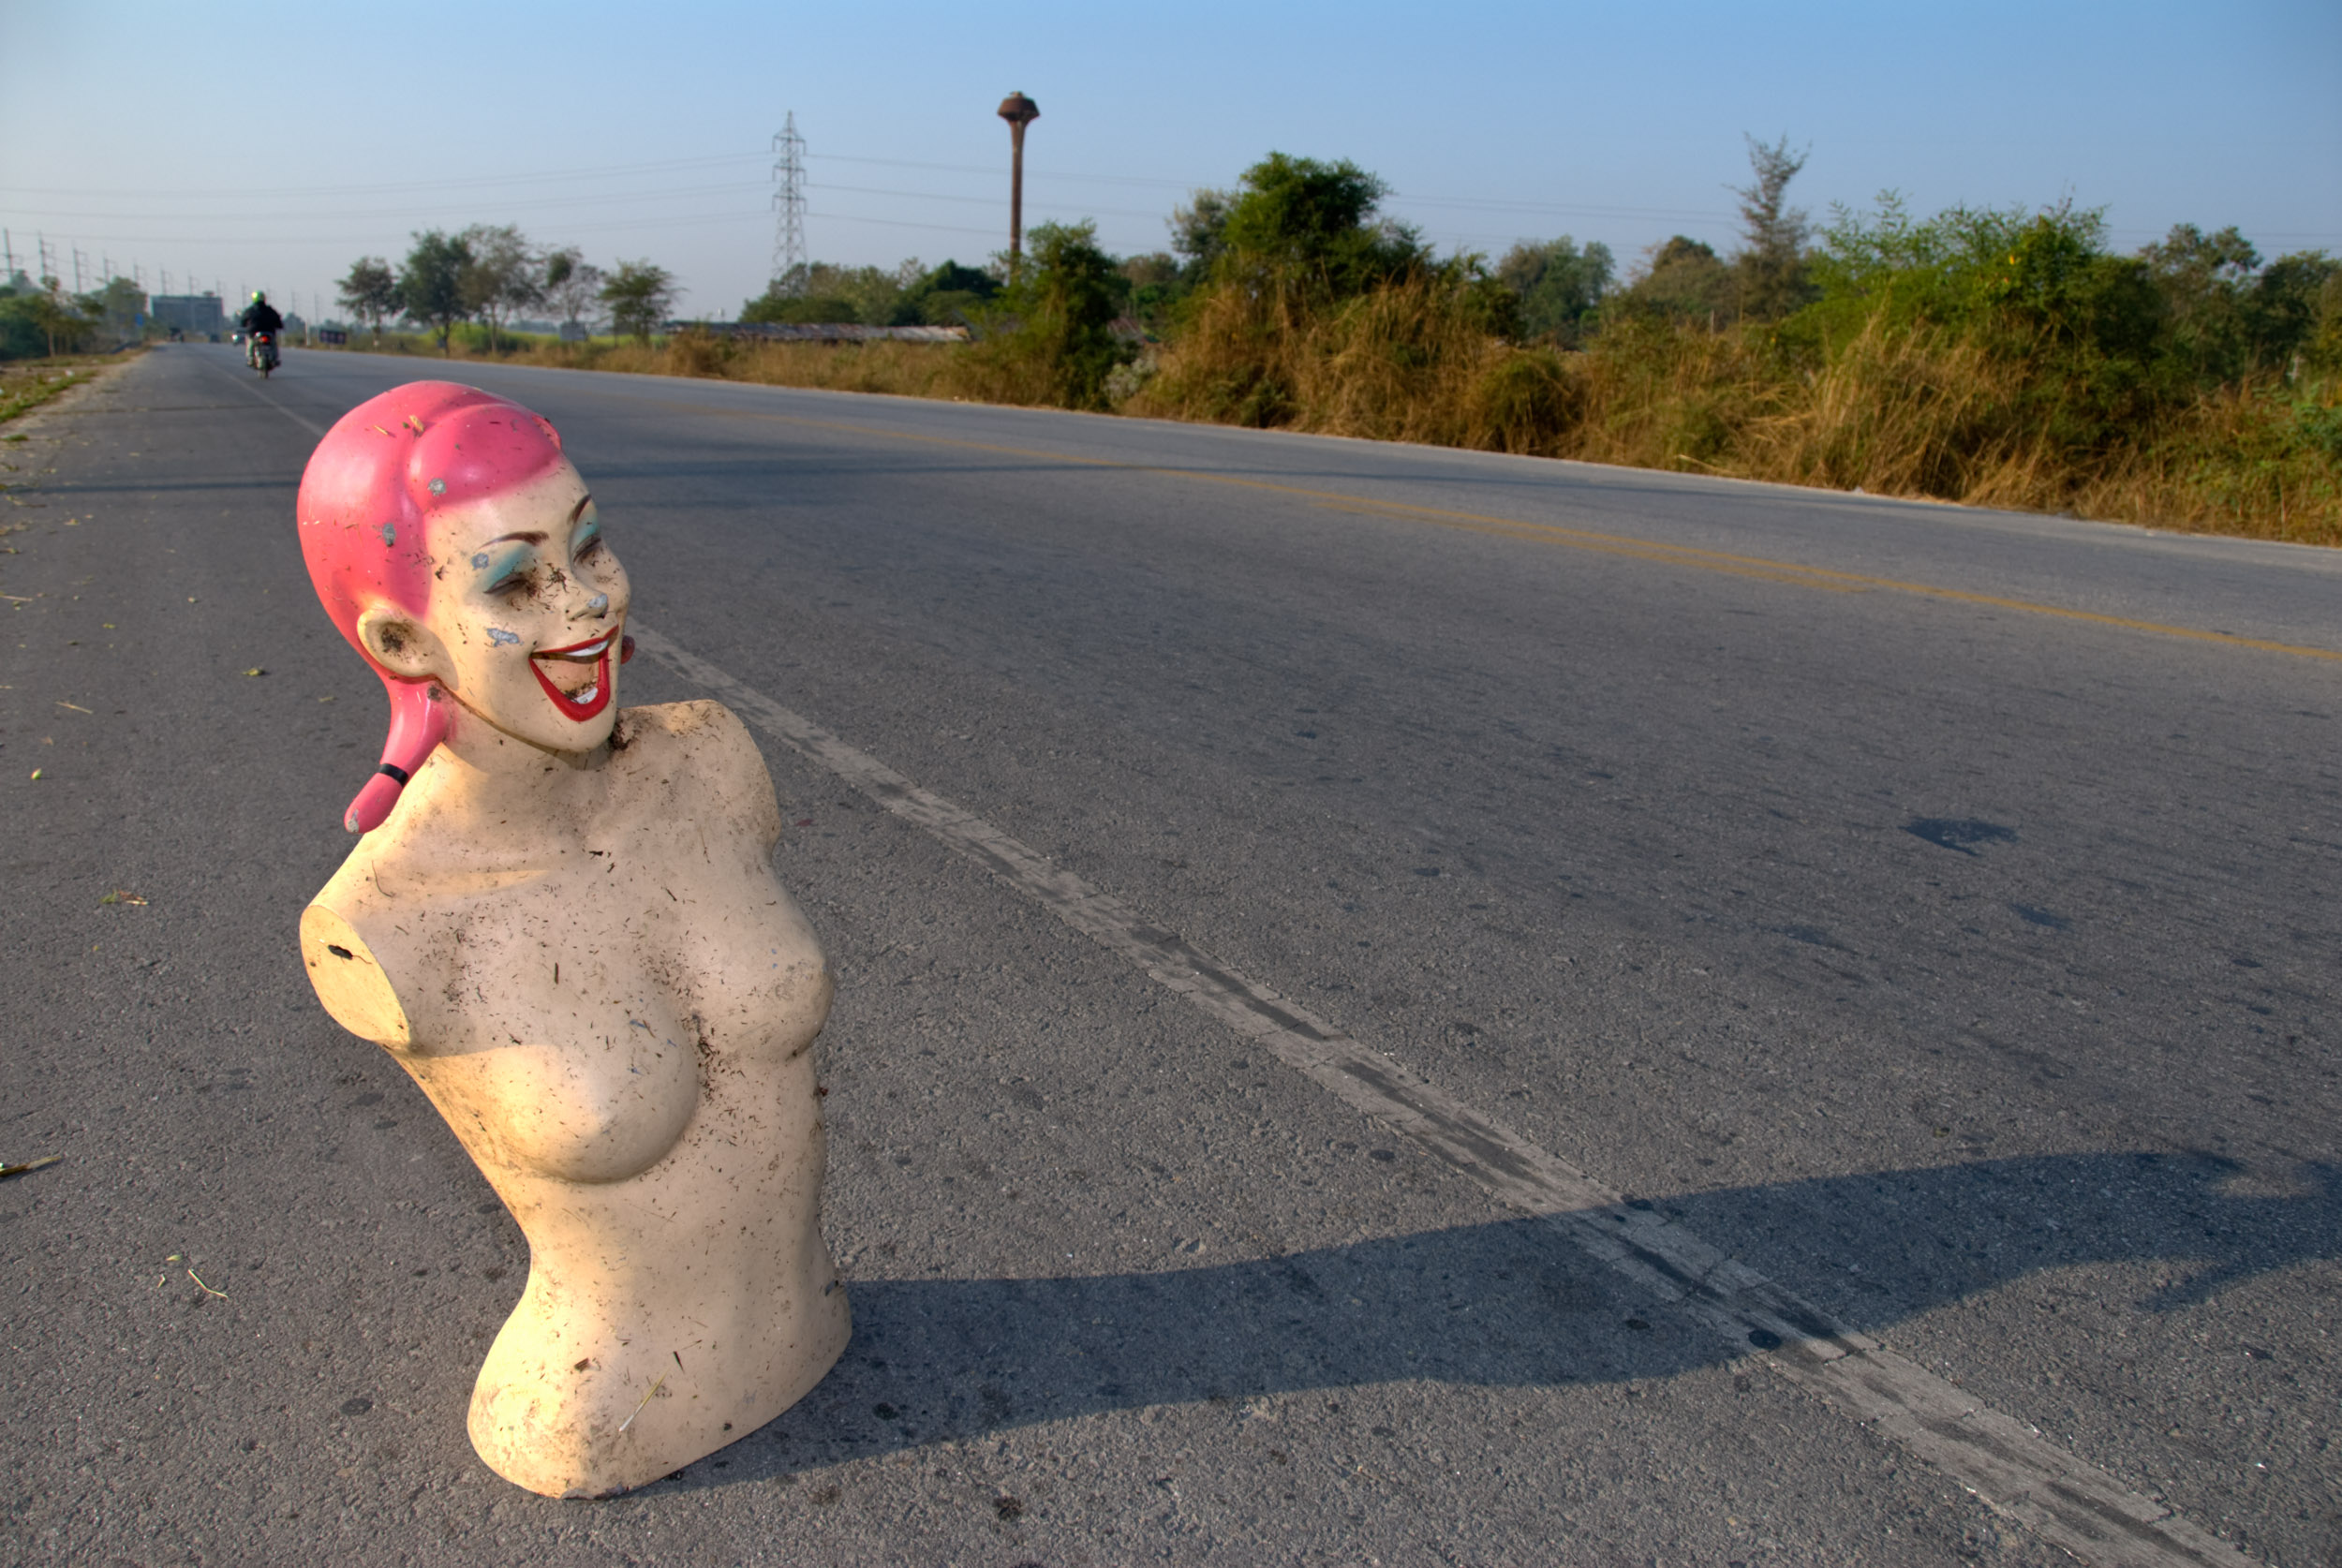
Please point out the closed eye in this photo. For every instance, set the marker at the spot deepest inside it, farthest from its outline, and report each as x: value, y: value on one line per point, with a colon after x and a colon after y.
x: 587, y: 539
x: 511, y: 574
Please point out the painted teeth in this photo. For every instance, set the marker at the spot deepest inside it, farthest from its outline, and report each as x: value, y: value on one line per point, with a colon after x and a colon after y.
x: 591, y: 650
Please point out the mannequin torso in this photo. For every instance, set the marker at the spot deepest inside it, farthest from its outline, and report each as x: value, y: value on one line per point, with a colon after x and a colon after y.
x: 590, y: 967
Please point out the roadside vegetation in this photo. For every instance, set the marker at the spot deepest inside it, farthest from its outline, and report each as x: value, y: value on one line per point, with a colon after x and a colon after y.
x: 1998, y: 357
x: 47, y: 336
x: 26, y: 384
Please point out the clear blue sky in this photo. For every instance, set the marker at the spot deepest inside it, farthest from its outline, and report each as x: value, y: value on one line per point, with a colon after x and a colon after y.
x: 269, y: 145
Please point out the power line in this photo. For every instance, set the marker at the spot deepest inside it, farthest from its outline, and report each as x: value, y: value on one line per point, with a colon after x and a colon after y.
x: 199, y: 194
x: 248, y: 214
x: 1401, y: 198
x: 1035, y: 173
x: 1432, y: 209
x: 977, y: 200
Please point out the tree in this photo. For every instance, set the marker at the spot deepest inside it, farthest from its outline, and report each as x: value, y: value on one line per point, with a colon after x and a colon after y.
x: 1685, y: 279
x: 950, y: 295
x: 117, y: 307
x: 1297, y: 223
x: 370, y: 292
x: 62, y: 320
x: 2205, y: 281
x: 1199, y: 230
x: 639, y: 296
x: 44, y: 319
x: 1558, y: 287
x: 20, y: 337
x: 871, y: 296
x: 1054, y: 331
x: 1770, y: 267
x: 2292, y: 299
x: 431, y: 284
x: 573, y: 286
x: 1158, y: 283
x: 499, y: 275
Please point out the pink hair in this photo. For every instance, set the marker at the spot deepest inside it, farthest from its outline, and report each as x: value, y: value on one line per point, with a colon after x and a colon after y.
x: 368, y: 498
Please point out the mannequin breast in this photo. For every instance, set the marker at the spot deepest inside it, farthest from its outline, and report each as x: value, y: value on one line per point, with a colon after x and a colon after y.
x: 597, y: 1022
x: 573, y: 1017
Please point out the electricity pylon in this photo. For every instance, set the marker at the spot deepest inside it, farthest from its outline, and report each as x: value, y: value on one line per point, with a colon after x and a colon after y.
x: 790, y: 267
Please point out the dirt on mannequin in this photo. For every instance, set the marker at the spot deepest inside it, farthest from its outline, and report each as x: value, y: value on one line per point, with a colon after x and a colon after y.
x: 562, y: 920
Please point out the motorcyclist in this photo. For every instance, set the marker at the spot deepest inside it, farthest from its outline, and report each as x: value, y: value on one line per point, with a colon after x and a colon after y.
x: 258, y: 316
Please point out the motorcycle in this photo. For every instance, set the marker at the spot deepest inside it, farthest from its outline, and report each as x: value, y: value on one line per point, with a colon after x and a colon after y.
x: 260, y: 354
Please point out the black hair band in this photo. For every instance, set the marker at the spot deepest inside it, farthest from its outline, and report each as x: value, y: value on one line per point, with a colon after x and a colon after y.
x: 395, y: 772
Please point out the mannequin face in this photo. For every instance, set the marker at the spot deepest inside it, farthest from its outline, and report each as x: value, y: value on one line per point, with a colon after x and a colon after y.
x: 528, y: 606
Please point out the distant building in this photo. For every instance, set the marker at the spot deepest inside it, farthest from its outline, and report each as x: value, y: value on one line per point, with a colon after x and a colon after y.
x: 193, y: 315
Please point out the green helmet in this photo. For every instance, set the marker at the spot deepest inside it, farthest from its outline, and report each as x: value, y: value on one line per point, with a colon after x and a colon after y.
x: 258, y: 297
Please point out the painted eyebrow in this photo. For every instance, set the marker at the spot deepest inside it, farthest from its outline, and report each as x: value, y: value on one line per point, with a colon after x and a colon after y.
x: 579, y: 511
x: 531, y: 538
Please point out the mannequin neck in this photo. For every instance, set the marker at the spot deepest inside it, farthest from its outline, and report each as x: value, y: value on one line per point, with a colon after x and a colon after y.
x: 482, y: 782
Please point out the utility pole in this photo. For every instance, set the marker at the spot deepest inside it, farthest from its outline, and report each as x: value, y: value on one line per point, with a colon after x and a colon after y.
x: 790, y: 266
x: 8, y: 247
x: 78, y: 262
x: 1019, y: 112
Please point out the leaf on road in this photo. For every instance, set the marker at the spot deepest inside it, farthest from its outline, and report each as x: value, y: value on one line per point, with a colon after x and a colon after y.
x: 37, y: 773
x: 122, y: 895
x: 255, y: 670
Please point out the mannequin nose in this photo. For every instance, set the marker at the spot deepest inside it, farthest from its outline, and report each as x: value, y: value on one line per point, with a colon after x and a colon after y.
x: 598, y: 606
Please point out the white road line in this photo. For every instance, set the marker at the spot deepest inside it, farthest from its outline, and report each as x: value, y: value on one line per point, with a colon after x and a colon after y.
x: 2003, y: 1460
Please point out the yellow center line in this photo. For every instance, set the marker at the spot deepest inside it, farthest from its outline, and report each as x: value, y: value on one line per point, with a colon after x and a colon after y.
x: 1576, y: 538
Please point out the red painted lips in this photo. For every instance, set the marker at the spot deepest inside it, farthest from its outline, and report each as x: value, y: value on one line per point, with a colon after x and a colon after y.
x: 594, y: 698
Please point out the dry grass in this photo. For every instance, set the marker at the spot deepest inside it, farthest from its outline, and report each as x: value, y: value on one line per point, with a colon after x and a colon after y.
x: 905, y: 369
x: 1903, y: 411
x: 26, y: 384
x: 908, y: 369
x: 1918, y: 412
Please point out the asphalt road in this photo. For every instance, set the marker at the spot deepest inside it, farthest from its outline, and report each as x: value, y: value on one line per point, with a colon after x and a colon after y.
x: 1933, y: 909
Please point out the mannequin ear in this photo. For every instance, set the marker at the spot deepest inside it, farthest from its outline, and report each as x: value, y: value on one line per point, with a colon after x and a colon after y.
x: 404, y: 645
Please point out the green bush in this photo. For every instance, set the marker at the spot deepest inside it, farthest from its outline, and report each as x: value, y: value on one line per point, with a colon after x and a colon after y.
x: 1051, y: 338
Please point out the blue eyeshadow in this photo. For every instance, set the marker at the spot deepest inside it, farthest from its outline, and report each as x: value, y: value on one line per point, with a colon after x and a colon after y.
x: 505, y: 565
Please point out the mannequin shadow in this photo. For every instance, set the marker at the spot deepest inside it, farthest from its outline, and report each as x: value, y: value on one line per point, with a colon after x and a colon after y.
x: 1513, y: 1302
